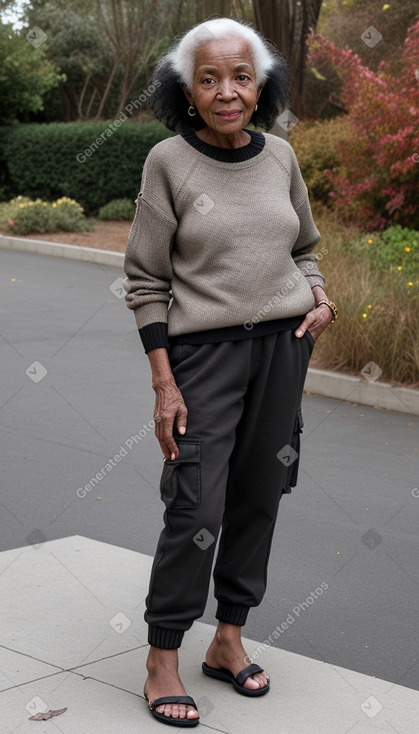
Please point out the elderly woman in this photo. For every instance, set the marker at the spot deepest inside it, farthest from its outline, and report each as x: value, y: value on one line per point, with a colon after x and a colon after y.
x: 228, y: 301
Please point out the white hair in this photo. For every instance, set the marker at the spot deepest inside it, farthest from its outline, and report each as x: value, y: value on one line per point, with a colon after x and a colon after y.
x: 182, y: 56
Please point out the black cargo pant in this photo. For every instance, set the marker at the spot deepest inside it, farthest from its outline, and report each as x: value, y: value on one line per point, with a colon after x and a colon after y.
x: 237, y: 457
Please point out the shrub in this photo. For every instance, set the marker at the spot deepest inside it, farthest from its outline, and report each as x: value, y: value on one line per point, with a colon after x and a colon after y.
x: 71, y: 159
x: 393, y: 251
x: 118, y: 209
x: 378, y: 305
x: 38, y: 217
x: 316, y: 145
x: 377, y: 184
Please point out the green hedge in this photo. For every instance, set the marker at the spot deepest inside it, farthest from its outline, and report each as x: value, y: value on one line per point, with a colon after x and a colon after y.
x: 63, y: 159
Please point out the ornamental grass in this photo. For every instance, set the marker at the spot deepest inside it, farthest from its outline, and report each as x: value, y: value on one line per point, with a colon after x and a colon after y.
x: 377, y: 292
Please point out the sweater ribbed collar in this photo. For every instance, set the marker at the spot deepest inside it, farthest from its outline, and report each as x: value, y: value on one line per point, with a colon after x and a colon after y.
x: 227, y: 155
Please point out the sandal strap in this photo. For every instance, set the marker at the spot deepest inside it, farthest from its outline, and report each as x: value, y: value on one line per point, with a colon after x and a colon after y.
x: 186, y: 700
x: 247, y: 672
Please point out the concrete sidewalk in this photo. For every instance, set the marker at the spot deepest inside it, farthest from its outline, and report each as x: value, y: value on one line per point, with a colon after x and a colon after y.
x: 73, y: 635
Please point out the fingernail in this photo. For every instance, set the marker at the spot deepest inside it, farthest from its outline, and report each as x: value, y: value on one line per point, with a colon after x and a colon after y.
x: 182, y: 430
x: 299, y: 332
x: 172, y: 456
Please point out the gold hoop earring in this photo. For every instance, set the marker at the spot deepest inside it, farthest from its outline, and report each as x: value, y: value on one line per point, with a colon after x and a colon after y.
x: 191, y: 111
x: 256, y: 108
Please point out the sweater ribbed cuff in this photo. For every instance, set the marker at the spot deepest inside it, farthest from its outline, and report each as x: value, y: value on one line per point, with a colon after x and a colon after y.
x: 232, y: 613
x: 165, y: 639
x: 154, y: 336
x: 315, y: 280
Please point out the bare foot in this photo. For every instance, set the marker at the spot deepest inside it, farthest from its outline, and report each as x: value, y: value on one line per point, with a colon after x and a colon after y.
x: 226, y: 651
x: 163, y: 680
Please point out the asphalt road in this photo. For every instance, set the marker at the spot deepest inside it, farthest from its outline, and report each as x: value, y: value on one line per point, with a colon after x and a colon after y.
x: 75, y: 389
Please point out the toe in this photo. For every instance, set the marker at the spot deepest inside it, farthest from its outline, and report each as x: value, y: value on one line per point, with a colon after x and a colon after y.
x: 263, y: 680
x: 260, y: 680
x: 191, y: 713
x: 176, y: 711
x: 251, y: 683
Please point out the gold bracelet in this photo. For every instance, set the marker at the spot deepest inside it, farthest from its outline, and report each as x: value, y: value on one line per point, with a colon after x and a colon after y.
x: 332, y: 306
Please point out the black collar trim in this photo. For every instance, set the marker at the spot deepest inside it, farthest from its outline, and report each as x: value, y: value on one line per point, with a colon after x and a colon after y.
x: 227, y: 155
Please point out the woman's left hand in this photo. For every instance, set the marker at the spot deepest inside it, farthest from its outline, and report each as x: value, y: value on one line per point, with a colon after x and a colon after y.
x: 315, y: 322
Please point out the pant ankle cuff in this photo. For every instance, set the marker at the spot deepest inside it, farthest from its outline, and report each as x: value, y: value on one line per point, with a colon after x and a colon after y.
x: 232, y: 613
x: 166, y: 639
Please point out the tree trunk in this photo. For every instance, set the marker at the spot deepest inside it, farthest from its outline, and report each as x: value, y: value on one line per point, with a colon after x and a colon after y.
x: 287, y: 23
x: 107, y: 90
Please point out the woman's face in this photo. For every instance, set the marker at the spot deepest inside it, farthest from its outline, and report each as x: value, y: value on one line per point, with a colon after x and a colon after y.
x: 224, y: 89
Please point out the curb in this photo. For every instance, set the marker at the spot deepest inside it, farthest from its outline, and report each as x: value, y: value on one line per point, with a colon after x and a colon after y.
x: 357, y: 390
x: 72, y: 252
x: 318, y: 382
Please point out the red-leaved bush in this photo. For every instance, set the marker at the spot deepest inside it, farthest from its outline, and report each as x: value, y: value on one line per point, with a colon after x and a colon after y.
x: 377, y: 183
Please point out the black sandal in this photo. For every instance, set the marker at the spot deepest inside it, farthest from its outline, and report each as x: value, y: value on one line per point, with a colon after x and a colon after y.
x: 238, y: 680
x: 186, y: 700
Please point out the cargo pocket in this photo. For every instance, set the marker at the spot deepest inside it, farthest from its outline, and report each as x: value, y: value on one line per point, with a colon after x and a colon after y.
x: 291, y: 476
x: 180, y: 484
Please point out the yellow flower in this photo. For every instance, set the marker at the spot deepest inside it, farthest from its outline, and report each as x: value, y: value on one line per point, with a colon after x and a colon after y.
x: 68, y: 202
x: 409, y: 284
x: 370, y: 242
x: 399, y: 267
x: 407, y: 249
x: 369, y: 305
x: 364, y: 315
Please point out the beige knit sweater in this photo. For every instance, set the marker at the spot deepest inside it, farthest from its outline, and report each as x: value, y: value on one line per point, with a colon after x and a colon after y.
x: 224, y: 243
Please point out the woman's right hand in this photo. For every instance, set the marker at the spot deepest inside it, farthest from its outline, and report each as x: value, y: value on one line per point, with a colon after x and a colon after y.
x: 169, y: 407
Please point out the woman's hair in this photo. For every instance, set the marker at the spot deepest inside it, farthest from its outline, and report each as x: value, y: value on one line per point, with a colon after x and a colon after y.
x: 176, y: 67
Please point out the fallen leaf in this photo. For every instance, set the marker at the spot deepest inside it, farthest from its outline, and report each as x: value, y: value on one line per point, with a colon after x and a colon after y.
x: 47, y: 714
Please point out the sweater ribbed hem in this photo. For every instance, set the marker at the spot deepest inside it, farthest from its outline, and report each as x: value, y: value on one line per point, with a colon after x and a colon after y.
x: 234, y: 333
x: 166, y: 639
x: 154, y: 336
x: 232, y: 613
